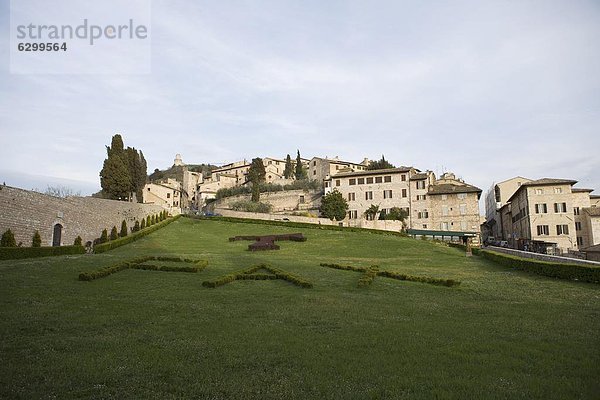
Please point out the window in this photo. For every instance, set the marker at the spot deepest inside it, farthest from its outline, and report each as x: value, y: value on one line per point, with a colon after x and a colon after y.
x: 387, y: 179
x: 420, y: 184
x: 576, y: 210
x: 543, y: 230
x: 541, y: 209
x: 403, y: 177
x: 421, y: 197
x: 361, y: 181
x: 387, y: 194
x: 168, y: 195
x: 557, y: 190
x: 424, y: 226
x: 562, y: 229
x: 444, y: 226
x: 326, y: 184
x: 444, y: 210
x: 368, y: 195
x: 148, y: 189
x: 314, y: 172
x: 463, y: 225
x: 579, y: 241
x: 301, y: 200
x: 462, y: 196
x: 378, y: 179
x: 403, y: 192
x: 560, y: 207
x: 337, y: 167
x: 315, y: 163
x: 369, y: 180
x: 539, y: 191
x: 463, y: 209
x: 352, y: 214
x: 444, y: 197
x: 352, y: 182
x: 351, y: 197
x: 337, y: 182
x: 577, y: 226
x: 423, y: 214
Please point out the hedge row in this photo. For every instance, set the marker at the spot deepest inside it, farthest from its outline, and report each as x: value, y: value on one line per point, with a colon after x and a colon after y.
x: 13, y: 253
x: 250, y: 274
x: 113, y: 244
x: 368, y: 276
x: 290, y: 224
x: 575, y: 272
x: 371, y: 272
x: 474, y: 250
x: 138, y: 263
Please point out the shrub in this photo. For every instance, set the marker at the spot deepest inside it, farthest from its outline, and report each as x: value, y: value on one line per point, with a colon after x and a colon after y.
x: 103, y: 237
x: 36, y: 241
x: 250, y: 274
x: 143, y: 224
x: 136, y: 226
x: 368, y: 276
x: 78, y: 241
x: 114, y: 235
x: 101, y: 248
x: 13, y: 253
x: 123, y: 232
x: 8, y: 239
x: 576, y: 272
x: 152, y: 220
x: 251, y: 206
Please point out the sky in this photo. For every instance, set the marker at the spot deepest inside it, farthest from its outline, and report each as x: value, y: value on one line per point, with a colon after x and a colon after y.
x: 487, y: 90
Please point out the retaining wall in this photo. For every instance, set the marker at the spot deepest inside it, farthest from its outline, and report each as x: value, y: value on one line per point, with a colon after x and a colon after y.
x: 541, y: 257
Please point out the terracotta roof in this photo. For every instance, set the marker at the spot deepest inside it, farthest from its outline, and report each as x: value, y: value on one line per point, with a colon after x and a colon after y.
x: 592, y: 211
x: 373, y: 172
x: 449, y: 188
x: 543, y: 182
x: 419, y: 177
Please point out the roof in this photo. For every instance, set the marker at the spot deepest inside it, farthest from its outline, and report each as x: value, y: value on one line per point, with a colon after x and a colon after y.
x: 594, y: 196
x: 334, y: 161
x: 450, y: 188
x: 592, y: 249
x: 388, y: 171
x: 419, y: 177
x: 592, y: 211
x: 543, y: 182
x: 580, y: 190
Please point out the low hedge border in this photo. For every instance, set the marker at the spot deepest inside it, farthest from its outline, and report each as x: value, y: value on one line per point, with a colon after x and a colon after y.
x: 372, y: 271
x: 296, y: 225
x: 113, y: 244
x: 138, y: 263
x: 15, y: 253
x: 576, y: 272
x: 250, y: 274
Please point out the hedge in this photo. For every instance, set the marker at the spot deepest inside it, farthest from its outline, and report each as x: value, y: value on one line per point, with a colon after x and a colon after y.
x: 113, y: 244
x: 296, y: 225
x: 250, y: 274
x: 14, y: 253
x: 575, y: 272
x: 138, y: 263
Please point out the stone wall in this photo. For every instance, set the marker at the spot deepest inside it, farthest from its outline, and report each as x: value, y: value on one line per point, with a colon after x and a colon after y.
x: 540, y: 257
x: 25, y: 211
x: 288, y: 200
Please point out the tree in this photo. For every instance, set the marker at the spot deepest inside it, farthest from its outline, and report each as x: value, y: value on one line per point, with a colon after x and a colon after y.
x: 61, y: 191
x: 103, y: 237
x: 256, y: 176
x: 148, y: 221
x: 143, y: 224
x: 36, y: 241
x: 8, y: 239
x: 288, y: 172
x: 136, y: 226
x: 114, y: 234
x: 115, y: 178
x: 371, y: 212
x: 396, y: 214
x: 334, y: 206
x: 380, y: 164
x: 78, y: 241
x: 300, y: 172
x: 123, y: 232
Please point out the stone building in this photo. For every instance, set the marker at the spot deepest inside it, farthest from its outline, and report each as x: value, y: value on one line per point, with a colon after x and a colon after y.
x: 168, y: 194
x: 320, y: 169
x: 60, y: 220
x: 495, y: 198
x: 548, y: 215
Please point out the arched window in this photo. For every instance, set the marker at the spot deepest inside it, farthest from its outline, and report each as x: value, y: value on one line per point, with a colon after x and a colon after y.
x: 57, y: 234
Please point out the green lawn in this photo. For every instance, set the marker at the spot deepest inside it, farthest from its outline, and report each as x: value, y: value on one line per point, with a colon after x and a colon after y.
x: 149, y: 334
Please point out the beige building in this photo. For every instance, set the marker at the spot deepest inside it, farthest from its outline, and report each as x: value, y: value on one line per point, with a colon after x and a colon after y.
x: 446, y: 204
x: 320, y: 169
x: 168, y: 195
x: 495, y: 198
x: 549, y: 215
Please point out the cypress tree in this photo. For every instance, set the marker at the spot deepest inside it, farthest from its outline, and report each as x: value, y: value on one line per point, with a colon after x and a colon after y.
x: 115, y: 178
x: 103, y: 236
x: 256, y: 176
x: 78, y: 241
x: 123, y: 232
x: 36, y: 241
x: 148, y: 221
x: 288, y: 172
x: 8, y: 239
x: 299, y: 172
x: 153, y: 220
x: 136, y: 226
x: 114, y: 234
x: 143, y: 224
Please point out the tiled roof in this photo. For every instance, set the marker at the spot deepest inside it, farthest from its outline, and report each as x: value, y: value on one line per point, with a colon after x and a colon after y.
x: 592, y: 211
x: 419, y: 177
x: 580, y: 190
x: 543, y: 182
x: 449, y: 188
x: 373, y: 172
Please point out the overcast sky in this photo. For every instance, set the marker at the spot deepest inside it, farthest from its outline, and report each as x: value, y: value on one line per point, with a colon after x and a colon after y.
x: 488, y: 90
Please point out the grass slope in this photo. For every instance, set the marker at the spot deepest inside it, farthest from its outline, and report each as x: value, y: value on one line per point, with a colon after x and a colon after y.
x: 146, y: 334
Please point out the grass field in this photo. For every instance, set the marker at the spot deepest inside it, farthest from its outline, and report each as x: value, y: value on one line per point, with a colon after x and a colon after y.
x: 148, y: 334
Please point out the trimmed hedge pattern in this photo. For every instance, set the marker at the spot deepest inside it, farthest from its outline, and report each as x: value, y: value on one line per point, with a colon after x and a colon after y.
x: 296, y: 225
x: 14, y: 253
x: 373, y: 271
x: 250, y: 274
x: 576, y: 272
x: 138, y: 263
x: 113, y: 244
